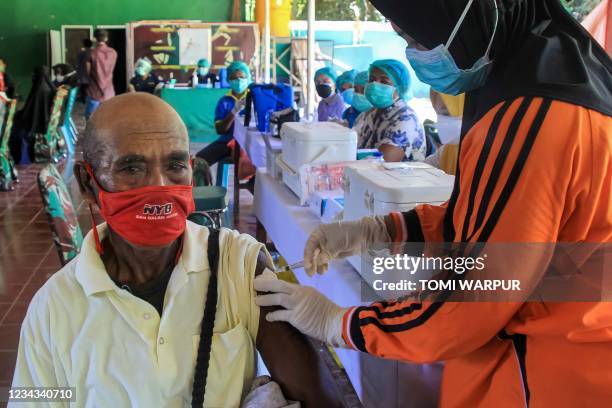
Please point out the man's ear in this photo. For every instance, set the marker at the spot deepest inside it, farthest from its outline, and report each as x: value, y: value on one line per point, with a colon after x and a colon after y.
x: 86, y: 184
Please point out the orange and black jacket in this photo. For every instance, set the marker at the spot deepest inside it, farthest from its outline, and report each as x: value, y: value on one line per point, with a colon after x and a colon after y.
x: 532, y: 170
x: 535, y: 166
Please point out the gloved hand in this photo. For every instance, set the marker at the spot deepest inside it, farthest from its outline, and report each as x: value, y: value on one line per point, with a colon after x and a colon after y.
x: 239, y: 106
x: 340, y: 240
x: 305, y: 308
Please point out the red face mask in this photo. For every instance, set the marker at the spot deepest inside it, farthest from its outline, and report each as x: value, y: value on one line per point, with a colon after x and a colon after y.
x: 150, y: 216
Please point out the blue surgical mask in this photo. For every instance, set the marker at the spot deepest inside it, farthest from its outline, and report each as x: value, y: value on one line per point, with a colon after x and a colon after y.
x: 239, y: 85
x: 348, y: 95
x: 361, y: 103
x: 141, y: 71
x: 202, y: 71
x: 380, y: 95
x: 438, y: 69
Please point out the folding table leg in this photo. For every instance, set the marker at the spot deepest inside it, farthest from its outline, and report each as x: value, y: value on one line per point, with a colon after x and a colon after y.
x: 236, y: 154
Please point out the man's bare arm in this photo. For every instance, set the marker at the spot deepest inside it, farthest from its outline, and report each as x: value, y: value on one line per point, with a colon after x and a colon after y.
x: 293, y: 361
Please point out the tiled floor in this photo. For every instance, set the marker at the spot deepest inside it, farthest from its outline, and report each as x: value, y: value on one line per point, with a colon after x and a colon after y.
x: 27, y: 254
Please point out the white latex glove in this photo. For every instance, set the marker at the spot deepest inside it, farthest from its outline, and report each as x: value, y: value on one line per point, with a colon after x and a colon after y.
x: 340, y: 240
x: 305, y: 308
x: 239, y: 106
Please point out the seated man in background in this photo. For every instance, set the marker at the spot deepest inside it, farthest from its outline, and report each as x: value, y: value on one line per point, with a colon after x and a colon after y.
x: 64, y: 75
x: 144, y: 79
x: 202, y: 75
x: 227, y: 110
x: 122, y: 321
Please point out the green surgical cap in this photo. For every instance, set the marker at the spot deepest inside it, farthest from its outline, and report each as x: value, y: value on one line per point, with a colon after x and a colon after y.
x: 203, y: 63
x: 239, y: 66
x: 362, y: 78
x: 144, y: 63
x: 328, y: 72
x: 397, y: 72
x: 347, y: 77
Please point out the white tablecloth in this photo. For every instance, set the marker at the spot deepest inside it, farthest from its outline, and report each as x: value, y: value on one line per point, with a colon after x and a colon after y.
x: 377, y: 382
x: 252, y: 141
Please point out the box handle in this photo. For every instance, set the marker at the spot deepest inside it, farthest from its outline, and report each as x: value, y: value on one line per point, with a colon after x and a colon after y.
x: 281, y: 163
x: 328, y: 147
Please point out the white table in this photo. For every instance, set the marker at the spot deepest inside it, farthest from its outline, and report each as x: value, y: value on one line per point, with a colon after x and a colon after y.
x: 252, y: 141
x: 377, y: 382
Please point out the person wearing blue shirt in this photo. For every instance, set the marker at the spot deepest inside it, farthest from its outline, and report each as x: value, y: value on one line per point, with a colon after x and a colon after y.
x: 359, y: 103
x: 227, y: 110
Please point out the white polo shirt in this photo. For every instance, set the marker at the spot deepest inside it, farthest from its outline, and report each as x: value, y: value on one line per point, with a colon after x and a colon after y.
x: 82, y: 331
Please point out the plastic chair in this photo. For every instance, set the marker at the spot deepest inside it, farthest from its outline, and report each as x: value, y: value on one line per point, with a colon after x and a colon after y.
x: 67, y: 234
x: 50, y: 146
x: 67, y: 128
x: 8, y: 172
x: 223, y: 171
x: 211, y: 204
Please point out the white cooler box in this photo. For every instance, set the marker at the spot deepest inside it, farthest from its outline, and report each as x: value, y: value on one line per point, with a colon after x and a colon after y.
x: 381, y: 188
x: 313, y: 143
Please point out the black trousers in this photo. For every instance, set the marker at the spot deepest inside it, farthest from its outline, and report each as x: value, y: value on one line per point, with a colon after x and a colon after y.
x: 83, y: 92
x: 214, y: 152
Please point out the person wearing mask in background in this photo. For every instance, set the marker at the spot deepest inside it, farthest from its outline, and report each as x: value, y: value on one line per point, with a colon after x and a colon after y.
x: 359, y: 103
x: 33, y: 118
x: 202, y: 77
x: 449, y: 110
x: 99, y: 66
x: 534, y: 166
x: 144, y: 79
x: 392, y: 126
x: 227, y: 110
x: 331, y: 106
x: 135, y: 299
x: 82, y: 75
x: 345, y: 84
x: 64, y: 75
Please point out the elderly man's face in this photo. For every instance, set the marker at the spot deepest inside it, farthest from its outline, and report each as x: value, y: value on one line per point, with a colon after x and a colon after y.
x: 140, y: 141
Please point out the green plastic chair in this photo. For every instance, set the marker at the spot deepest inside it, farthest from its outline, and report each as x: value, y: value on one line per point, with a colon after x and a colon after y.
x: 67, y: 234
x: 50, y: 146
x: 67, y: 128
x: 8, y: 172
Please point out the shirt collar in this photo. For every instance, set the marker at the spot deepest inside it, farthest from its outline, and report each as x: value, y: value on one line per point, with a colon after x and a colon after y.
x: 231, y: 94
x: 91, y: 273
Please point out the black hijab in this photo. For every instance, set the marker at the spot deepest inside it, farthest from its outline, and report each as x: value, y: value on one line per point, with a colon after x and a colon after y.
x: 34, y: 117
x: 539, y: 50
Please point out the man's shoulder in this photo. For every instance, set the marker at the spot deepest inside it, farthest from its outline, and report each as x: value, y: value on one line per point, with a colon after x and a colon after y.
x: 60, y: 290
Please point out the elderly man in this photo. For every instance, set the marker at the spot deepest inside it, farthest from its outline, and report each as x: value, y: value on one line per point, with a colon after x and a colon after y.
x: 121, y: 323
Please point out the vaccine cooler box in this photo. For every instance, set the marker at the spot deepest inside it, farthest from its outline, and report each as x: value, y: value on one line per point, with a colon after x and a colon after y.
x: 381, y: 188
x: 313, y: 143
